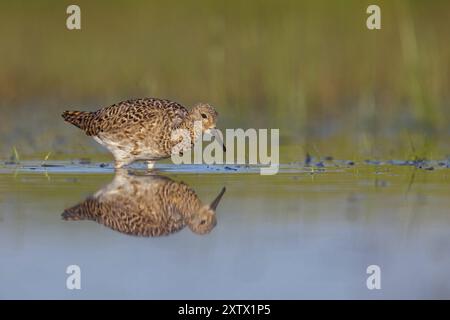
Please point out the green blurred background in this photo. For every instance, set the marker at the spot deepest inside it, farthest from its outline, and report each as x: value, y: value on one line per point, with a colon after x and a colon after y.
x: 310, y: 68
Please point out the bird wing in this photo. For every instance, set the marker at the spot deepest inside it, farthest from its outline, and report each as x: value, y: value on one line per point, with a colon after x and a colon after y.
x: 132, y: 112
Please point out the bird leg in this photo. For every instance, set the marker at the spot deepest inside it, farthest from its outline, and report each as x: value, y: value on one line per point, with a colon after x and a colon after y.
x: 150, y: 165
x: 120, y: 163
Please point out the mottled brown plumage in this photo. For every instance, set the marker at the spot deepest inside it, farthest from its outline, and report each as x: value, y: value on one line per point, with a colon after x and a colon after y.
x: 146, y: 205
x: 141, y: 129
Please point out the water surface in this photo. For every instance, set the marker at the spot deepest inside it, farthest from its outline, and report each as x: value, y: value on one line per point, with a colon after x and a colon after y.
x: 293, y: 235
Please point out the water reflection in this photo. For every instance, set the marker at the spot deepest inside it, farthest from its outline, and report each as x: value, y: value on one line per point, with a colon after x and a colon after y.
x: 147, y: 205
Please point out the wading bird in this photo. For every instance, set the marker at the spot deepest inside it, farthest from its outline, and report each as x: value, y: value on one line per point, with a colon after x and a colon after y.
x: 147, y: 206
x: 141, y: 129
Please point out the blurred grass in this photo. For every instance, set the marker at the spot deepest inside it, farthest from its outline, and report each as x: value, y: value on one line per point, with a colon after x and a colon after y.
x: 310, y: 68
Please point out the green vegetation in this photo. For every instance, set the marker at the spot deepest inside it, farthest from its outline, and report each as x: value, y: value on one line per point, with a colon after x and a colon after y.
x: 310, y: 68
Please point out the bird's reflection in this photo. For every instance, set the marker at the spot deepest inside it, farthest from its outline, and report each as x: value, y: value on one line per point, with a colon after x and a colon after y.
x: 147, y: 205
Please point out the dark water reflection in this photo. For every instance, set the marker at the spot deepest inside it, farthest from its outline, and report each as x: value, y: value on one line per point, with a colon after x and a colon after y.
x: 147, y: 205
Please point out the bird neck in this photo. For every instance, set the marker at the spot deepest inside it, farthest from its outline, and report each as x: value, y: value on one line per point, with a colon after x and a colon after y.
x: 193, y: 206
x: 185, y: 199
x: 194, y: 127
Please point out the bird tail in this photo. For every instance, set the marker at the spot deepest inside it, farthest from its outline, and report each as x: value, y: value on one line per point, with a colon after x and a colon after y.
x: 72, y: 214
x: 85, y: 210
x: 80, y: 119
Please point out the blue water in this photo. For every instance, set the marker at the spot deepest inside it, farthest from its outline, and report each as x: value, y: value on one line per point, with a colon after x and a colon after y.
x: 293, y: 235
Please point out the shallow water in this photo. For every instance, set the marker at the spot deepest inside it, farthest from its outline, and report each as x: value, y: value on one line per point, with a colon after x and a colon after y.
x: 297, y: 234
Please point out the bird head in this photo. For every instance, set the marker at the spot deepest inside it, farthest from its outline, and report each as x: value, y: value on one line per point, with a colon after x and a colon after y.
x: 204, y: 220
x: 206, y: 114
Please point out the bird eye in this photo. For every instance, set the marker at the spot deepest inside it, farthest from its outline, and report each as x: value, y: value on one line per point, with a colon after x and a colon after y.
x: 204, y: 116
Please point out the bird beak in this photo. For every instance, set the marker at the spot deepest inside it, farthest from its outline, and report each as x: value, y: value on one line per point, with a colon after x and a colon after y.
x: 223, y: 144
x: 210, y: 131
x: 216, y: 201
